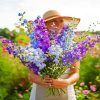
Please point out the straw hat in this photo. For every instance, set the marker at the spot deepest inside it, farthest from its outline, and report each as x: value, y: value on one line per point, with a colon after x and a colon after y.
x: 70, y: 21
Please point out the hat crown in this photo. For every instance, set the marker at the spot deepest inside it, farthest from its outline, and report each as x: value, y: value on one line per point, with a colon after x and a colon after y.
x: 50, y: 13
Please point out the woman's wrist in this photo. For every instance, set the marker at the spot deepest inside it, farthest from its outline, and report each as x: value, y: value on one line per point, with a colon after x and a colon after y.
x: 67, y: 81
x: 70, y: 82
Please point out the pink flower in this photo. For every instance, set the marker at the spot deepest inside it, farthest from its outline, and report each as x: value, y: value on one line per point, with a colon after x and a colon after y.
x: 86, y: 91
x: 20, y: 95
x: 93, y: 88
x: 11, y: 34
x: 82, y: 84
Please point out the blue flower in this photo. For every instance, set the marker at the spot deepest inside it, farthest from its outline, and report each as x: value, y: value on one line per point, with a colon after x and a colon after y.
x: 22, y: 24
x: 20, y: 14
x: 25, y: 21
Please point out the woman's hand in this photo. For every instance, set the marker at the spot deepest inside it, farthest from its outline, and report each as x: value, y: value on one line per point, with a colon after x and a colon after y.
x: 48, y: 82
x: 37, y: 79
x: 56, y: 83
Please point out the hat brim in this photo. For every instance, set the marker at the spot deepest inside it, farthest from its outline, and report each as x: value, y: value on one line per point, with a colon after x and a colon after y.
x: 72, y: 22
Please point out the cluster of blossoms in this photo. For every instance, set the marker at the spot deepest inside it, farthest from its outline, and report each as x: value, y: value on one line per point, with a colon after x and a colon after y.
x: 57, y: 51
x: 30, y: 55
x: 84, y: 91
x: 50, y: 46
x: 66, y: 37
x: 80, y: 50
x: 39, y: 36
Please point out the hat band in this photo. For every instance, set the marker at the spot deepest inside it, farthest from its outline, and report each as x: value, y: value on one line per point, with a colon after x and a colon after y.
x: 50, y: 17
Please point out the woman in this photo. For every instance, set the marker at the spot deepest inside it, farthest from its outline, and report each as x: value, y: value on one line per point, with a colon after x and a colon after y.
x: 53, y: 18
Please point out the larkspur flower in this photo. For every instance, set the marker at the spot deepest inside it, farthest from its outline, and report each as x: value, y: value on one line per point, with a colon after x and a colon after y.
x: 22, y: 24
x: 25, y: 21
x: 35, y: 56
x: 66, y: 38
x: 39, y: 36
x: 55, y: 50
x: 34, y: 68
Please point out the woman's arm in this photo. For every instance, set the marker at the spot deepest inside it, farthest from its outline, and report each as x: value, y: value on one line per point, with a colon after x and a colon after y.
x: 34, y: 78
x: 74, y: 76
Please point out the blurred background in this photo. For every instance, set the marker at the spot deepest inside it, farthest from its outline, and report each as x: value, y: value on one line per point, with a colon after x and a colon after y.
x: 14, y: 83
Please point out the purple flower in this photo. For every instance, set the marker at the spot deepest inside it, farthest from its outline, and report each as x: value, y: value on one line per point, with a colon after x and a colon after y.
x: 40, y: 36
x: 68, y: 58
x: 98, y: 39
x: 34, y: 68
x: 1, y: 37
x: 9, y: 49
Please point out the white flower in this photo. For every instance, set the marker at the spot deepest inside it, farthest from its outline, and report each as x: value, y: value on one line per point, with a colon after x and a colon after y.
x: 36, y: 56
x: 55, y: 50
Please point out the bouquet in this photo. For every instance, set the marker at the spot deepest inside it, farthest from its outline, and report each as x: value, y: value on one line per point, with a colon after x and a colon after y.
x: 50, y: 53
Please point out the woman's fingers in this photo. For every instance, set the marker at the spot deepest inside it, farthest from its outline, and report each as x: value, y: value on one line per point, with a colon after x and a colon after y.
x: 48, y: 80
x: 49, y: 85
